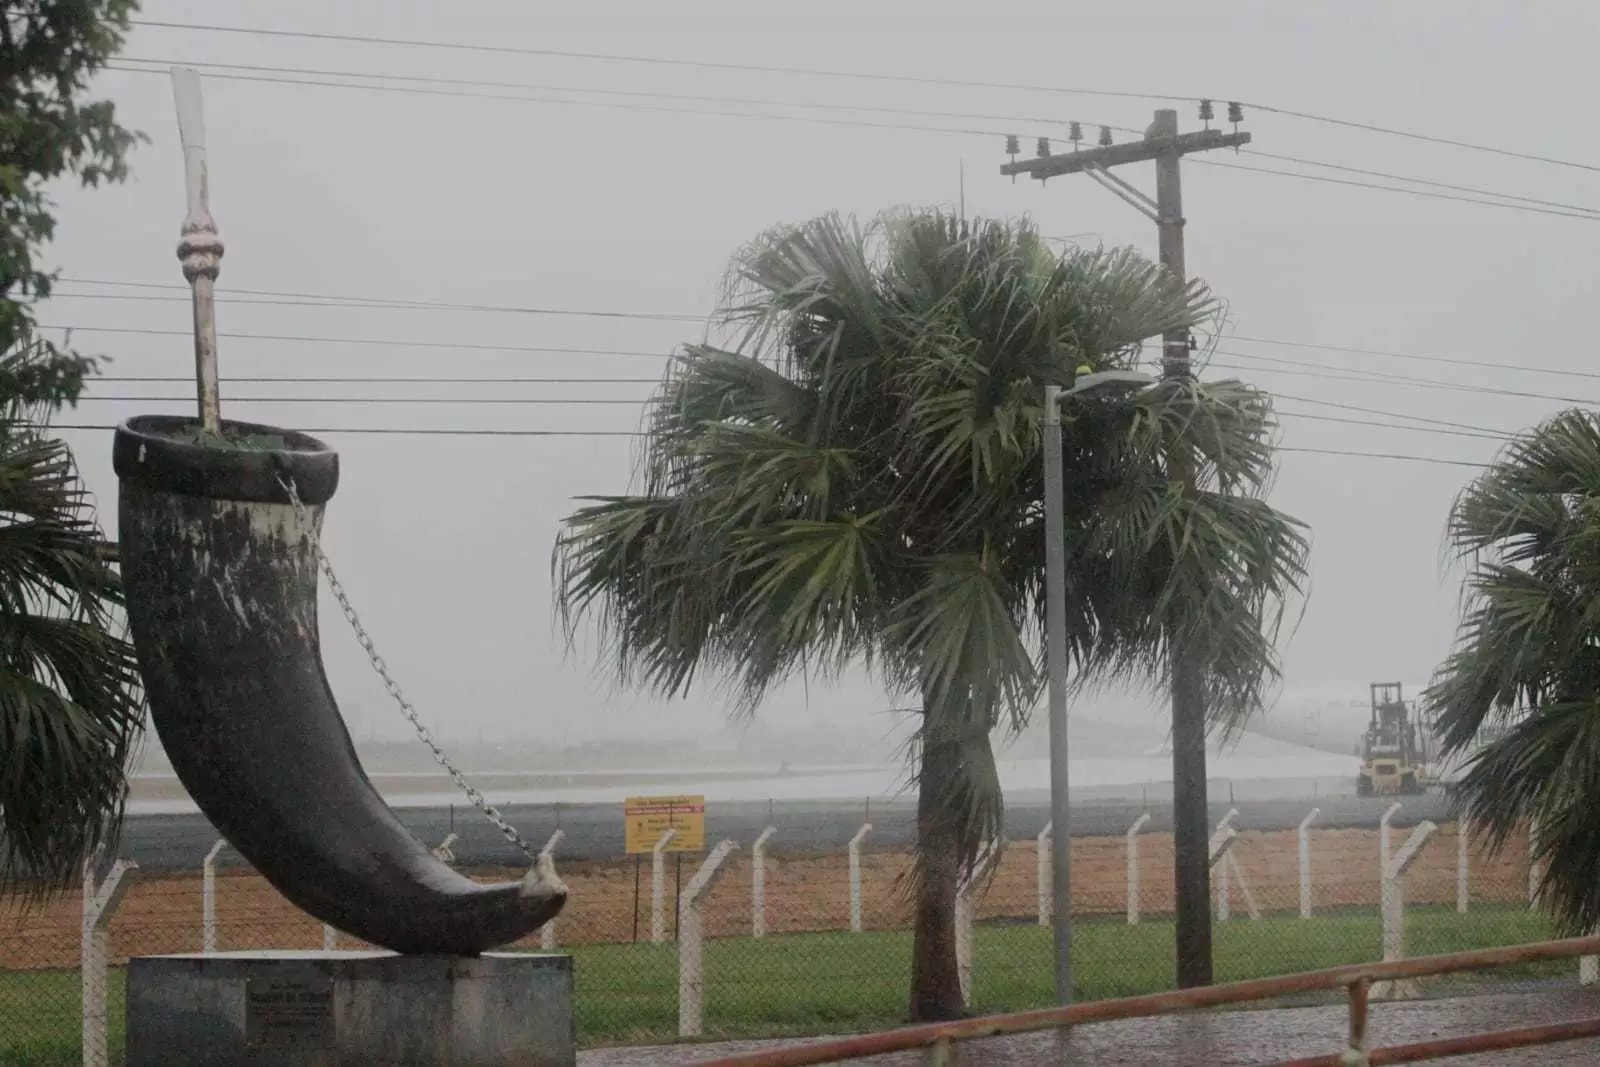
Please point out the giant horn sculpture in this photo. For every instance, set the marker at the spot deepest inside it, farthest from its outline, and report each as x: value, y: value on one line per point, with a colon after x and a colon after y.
x: 219, y: 530
x: 220, y: 567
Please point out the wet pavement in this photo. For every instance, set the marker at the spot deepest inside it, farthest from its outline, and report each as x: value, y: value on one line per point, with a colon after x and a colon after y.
x: 1230, y: 1039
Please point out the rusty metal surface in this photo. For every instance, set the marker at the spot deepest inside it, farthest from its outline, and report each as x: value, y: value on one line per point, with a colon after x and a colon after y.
x: 1256, y: 1038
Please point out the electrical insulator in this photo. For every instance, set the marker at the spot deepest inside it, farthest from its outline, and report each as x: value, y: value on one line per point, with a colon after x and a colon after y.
x: 1075, y: 132
x: 1235, y: 112
x: 1011, y: 144
x: 1044, y: 147
x: 1105, y: 137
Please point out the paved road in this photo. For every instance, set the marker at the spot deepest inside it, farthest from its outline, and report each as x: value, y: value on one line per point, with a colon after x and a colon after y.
x: 594, y: 831
x: 1231, y: 1039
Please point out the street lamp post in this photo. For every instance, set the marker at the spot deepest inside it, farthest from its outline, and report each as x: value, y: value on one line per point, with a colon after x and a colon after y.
x: 1055, y: 564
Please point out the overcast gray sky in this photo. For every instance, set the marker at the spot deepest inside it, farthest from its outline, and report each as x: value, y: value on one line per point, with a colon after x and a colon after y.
x: 444, y: 541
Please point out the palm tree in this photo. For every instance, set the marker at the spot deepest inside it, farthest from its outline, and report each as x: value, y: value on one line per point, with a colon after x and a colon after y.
x: 1517, y: 702
x: 70, y: 698
x: 858, y: 483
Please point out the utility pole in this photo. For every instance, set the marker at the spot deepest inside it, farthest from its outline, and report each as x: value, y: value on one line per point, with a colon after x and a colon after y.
x: 1164, y: 145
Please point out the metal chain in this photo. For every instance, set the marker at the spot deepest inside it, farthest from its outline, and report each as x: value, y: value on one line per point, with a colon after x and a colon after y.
x: 490, y: 812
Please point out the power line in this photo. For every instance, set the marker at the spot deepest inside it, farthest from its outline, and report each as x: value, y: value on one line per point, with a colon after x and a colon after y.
x: 293, y: 299
x: 375, y: 342
x: 1345, y: 374
x: 467, y: 400
x: 1454, y: 360
x: 850, y: 74
x: 218, y: 70
x: 368, y: 379
x: 1393, y: 426
x: 1365, y: 410
x: 611, y: 104
x: 555, y: 53
x: 414, y: 79
x: 449, y: 432
x: 1584, y: 214
x: 552, y: 349
x: 1384, y: 455
x: 1430, y: 138
x: 1420, y: 181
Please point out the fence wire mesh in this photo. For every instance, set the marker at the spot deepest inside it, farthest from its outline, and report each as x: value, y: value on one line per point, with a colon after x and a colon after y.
x: 809, y: 971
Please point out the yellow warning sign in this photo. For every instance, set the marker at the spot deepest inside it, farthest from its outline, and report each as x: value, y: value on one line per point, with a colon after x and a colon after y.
x: 649, y: 818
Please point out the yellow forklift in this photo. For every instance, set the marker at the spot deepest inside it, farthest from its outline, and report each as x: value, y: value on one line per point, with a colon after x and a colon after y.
x: 1394, y: 751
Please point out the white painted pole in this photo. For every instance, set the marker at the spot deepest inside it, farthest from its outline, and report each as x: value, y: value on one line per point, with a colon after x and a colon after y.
x: 1463, y: 841
x: 99, y: 904
x: 1394, y: 908
x: 1305, y: 862
x: 547, y: 933
x: 855, y: 876
x: 208, y: 898
x: 1383, y: 838
x: 1224, y: 890
x: 330, y: 938
x: 758, y: 883
x: 1042, y: 846
x: 1133, y: 868
x: 966, y: 908
x: 199, y: 245
x: 1232, y: 863
x: 1589, y: 967
x: 443, y: 852
x: 691, y: 960
x: 658, y: 887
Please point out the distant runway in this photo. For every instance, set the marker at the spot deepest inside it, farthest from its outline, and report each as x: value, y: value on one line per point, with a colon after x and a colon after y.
x: 178, y: 842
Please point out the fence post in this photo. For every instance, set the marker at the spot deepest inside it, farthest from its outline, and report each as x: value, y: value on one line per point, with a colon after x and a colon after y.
x: 1383, y: 838
x: 964, y: 915
x: 1222, y: 840
x: 691, y: 963
x: 1394, y: 906
x: 1223, y: 889
x: 1232, y: 863
x: 99, y: 904
x: 1042, y: 846
x: 658, y: 887
x: 758, y: 883
x: 1589, y: 969
x: 855, y: 876
x: 208, y: 898
x: 1133, y: 868
x: 1463, y: 833
x: 1305, y: 862
x: 547, y: 933
x: 330, y: 938
x: 443, y: 852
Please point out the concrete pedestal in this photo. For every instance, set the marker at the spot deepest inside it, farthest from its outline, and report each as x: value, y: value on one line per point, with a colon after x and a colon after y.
x: 350, y: 1009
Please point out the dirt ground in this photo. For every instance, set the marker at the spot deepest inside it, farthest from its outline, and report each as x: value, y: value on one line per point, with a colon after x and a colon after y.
x: 611, y: 899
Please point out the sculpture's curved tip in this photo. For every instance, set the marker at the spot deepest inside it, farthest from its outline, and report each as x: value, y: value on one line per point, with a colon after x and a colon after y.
x: 221, y: 572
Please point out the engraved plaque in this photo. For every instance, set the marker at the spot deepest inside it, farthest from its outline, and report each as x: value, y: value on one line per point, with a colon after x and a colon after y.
x: 289, y: 1012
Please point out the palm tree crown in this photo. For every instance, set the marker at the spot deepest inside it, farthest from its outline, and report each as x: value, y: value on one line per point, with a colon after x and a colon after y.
x: 859, y: 482
x: 1518, y: 699
x: 70, y: 697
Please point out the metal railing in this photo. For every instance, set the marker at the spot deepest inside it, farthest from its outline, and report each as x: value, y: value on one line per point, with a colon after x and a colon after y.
x: 940, y: 1039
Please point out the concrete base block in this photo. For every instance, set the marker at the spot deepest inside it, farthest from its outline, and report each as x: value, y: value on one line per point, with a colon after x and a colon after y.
x: 350, y: 1009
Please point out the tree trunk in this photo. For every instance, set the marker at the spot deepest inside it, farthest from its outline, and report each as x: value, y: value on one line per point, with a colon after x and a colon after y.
x: 935, y: 979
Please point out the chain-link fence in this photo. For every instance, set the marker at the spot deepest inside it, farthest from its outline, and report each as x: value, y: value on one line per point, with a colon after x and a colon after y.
x: 798, y: 937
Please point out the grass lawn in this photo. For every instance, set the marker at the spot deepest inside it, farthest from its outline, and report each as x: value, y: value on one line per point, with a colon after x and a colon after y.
x: 822, y: 983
